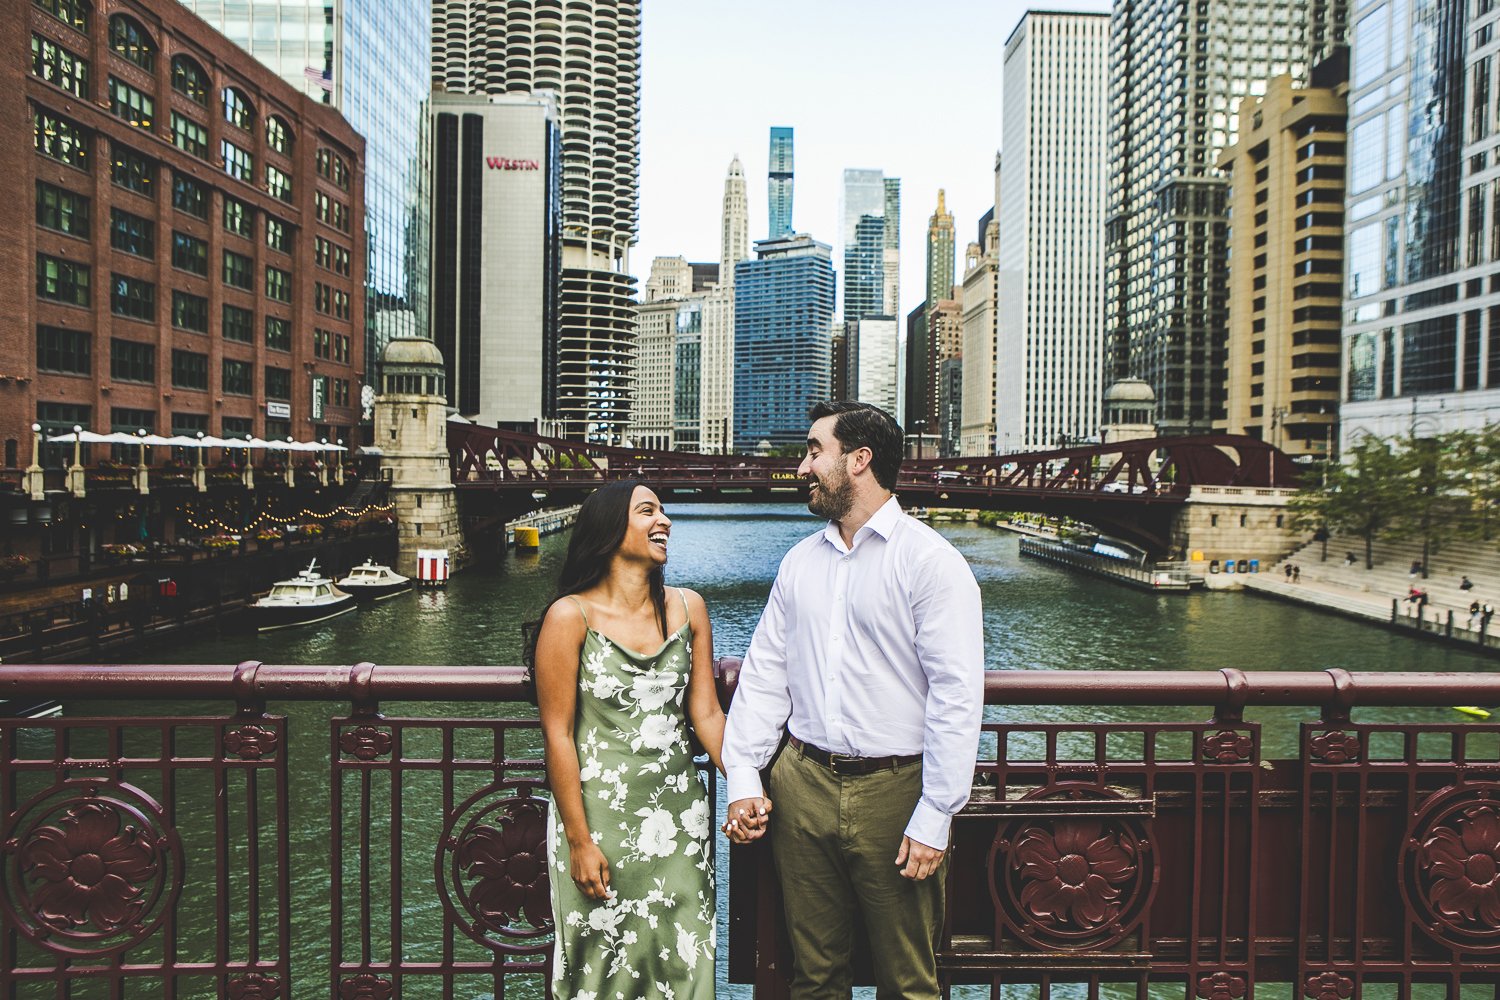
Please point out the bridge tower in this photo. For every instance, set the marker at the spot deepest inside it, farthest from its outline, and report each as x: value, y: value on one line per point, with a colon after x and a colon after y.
x: 411, y: 430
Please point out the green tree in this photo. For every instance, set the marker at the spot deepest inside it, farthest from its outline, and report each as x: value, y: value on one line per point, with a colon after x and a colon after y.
x: 1434, y: 505
x: 1477, y: 455
x: 1364, y: 496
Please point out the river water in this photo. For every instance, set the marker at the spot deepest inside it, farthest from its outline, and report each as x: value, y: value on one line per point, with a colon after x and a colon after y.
x: 1037, y: 616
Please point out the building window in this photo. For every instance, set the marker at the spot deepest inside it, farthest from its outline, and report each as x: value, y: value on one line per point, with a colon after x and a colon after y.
x: 61, y: 418
x: 73, y: 13
x: 278, y: 334
x: 237, y: 379
x: 132, y: 298
x: 237, y: 109
x: 278, y: 383
x: 62, y: 280
x: 239, y: 271
x: 189, y: 312
x: 190, y: 254
x: 132, y: 234
x: 239, y: 218
x: 330, y: 255
x: 189, y: 80
x: 59, y: 138
x: 189, y: 196
x: 189, y: 424
x: 278, y: 136
x: 239, y: 324
x: 62, y: 210
x: 238, y: 163
x: 277, y: 237
x: 59, y: 67
x: 331, y: 301
x: 189, y: 370
x: 130, y: 40
x: 131, y: 105
x: 189, y: 135
x: 132, y: 362
x: 278, y: 184
x: 333, y: 167
x: 66, y: 351
x: 238, y: 427
x: 278, y: 284
x: 322, y: 344
x: 132, y: 171
x: 330, y: 211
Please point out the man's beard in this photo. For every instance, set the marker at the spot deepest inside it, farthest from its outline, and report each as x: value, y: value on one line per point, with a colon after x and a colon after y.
x: 834, y: 497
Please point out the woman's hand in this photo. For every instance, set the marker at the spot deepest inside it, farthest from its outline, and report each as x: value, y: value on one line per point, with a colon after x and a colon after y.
x: 590, y: 871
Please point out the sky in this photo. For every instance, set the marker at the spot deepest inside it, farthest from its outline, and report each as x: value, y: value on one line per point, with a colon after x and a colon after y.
x: 908, y: 87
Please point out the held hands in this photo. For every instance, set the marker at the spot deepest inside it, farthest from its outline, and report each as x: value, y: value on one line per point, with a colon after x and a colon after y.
x: 747, y: 820
x: 919, y: 860
x: 591, y: 871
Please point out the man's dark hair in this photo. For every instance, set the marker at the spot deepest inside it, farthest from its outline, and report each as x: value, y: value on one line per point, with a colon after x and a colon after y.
x: 860, y: 425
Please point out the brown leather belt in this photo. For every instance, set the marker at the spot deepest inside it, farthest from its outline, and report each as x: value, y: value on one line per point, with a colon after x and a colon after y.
x: 842, y: 763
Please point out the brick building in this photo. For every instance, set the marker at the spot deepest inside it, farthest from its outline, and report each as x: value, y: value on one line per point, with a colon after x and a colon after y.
x: 184, y: 239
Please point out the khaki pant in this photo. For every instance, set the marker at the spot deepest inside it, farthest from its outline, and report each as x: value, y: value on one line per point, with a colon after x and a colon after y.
x: 835, y: 841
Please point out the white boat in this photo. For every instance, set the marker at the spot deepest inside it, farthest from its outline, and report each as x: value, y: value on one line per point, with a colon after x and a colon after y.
x: 374, y: 582
x: 306, y: 598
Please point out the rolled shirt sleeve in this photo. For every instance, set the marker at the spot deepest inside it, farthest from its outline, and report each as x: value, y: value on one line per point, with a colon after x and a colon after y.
x: 762, y: 701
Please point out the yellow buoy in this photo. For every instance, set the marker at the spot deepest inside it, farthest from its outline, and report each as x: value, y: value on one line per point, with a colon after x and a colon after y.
x: 1474, y: 710
x: 528, y: 537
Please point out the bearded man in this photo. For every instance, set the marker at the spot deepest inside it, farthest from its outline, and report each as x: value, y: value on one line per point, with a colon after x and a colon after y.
x: 870, y: 656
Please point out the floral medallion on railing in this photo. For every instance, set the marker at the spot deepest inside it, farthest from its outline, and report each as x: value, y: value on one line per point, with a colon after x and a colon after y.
x: 1221, y: 986
x: 1450, y: 867
x: 90, y: 868
x: 254, y: 986
x: 492, y: 867
x: 1335, y: 747
x: 1226, y: 747
x: 366, y: 987
x: 1072, y: 882
x: 366, y: 742
x: 251, y: 742
x: 1328, y: 986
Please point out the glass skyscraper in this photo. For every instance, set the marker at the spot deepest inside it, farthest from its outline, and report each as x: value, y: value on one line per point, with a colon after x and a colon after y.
x: 783, y: 315
x: 862, y: 243
x: 779, y: 183
x: 369, y: 59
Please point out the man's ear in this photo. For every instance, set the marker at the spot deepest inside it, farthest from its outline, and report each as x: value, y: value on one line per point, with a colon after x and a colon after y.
x: 860, y: 460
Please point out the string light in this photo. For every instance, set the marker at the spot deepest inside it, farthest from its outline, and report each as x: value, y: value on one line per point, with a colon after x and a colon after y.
x: 266, y: 517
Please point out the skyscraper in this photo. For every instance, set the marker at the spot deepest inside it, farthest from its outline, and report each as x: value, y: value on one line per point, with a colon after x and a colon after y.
x: 368, y: 58
x: 779, y: 184
x: 518, y: 46
x: 892, y: 255
x: 922, y: 354
x: 783, y: 314
x: 1050, y: 345
x: 734, y: 224
x: 1165, y: 224
x: 940, y: 251
x: 977, y: 429
x: 862, y: 243
x: 716, y: 343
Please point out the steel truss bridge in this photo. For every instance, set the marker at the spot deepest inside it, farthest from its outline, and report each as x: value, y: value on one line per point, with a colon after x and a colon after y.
x: 1132, y: 489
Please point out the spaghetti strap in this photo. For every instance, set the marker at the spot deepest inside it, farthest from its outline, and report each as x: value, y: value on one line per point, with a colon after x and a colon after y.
x: 581, y: 609
x: 686, y: 614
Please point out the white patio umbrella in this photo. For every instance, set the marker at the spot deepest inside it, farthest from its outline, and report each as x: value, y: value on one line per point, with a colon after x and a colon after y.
x: 86, y: 437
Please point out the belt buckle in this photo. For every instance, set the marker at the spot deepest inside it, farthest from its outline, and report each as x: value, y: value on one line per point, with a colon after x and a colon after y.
x: 835, y: 759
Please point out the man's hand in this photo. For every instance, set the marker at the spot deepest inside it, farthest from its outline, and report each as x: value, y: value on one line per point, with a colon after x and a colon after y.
x: 919, y: 860
x: 747, y: 819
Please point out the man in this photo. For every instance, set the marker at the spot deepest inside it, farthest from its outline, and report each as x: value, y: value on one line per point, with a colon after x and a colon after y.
x: 870, y: 654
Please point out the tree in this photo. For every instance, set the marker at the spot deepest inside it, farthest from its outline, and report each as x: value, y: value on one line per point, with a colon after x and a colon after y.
x: 1477, y: 454
x: 1433, y: 507
x: 1364, y: 496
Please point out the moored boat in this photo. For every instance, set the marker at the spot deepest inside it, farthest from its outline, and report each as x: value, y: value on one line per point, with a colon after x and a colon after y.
x: 306, y: 598
x: 371, y: 581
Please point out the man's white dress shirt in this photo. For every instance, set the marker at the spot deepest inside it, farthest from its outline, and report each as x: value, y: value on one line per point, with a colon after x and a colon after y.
x: 871, y: 650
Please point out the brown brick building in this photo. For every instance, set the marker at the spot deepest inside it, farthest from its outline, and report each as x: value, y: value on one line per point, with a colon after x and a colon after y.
x: 184, y: 233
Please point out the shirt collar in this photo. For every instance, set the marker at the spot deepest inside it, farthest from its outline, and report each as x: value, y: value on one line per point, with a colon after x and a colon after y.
x: 883, y: 522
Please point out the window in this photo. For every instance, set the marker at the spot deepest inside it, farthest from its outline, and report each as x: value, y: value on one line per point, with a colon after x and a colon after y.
x: 189, y: 423
x: 278, y: 334
x: 278, y: 383
x: 189, y: 196
x: 132, y: 171
x: 189, y: 371
x: 59, y: 138
x: 132, y: 362
x: 132, y: 298
x: 62, y: 210
x: 238, y: 163
x: 130, y: 40
x: 340, y: 392
x: 73, y: 13
x: 331, y: 301
x: 278, y: 284
x: 330, y: 255
x: 132, y: 234
x: 62, y: 280
x: 239, y: 218
x: 278, y: 184
x: 331, y: 211
x: 322, y: 344
x: 238, y: 427
x: 190, y: 254
x: 60, y: 418
x: 333, y: 167
x: 278, y: 136
x: 239, y: 324
x: 237, y: 109
x: 276, y: 235
x: 189, y: 312
x: 189, y: 136
x: 238, y: 378
x: 189, y: 80
x: 129, y: 104
x: 341, y: 348
x: 239, y: 271
x: 59, y: 67
x: 66, y: 351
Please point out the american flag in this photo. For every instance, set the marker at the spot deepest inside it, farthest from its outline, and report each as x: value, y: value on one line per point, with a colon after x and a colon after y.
x: 321, y: 77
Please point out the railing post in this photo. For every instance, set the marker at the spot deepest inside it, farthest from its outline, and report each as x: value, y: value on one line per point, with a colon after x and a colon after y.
x: 1450, y: 623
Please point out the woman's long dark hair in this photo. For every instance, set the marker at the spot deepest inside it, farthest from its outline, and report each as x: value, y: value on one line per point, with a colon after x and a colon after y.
x: 597, y: 534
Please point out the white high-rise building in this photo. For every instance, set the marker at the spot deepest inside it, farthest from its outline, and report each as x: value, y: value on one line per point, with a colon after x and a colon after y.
x: 976, y: 434
x: 872, y: 361
x: 651, y: 416
x: 1050, y: 348
x: 734, y: 224
x: 716, y: 379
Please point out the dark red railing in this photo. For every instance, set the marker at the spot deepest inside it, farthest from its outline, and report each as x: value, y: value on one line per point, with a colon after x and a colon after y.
x: 158, y: 854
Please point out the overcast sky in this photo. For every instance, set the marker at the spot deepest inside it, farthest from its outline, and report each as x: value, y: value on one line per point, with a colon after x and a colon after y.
x: 908, y: 87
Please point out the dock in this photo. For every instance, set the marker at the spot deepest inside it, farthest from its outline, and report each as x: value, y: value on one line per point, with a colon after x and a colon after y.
x: 1073, y: 557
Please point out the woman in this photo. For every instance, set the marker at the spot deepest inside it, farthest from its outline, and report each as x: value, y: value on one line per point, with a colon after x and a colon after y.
x: 622, y: 667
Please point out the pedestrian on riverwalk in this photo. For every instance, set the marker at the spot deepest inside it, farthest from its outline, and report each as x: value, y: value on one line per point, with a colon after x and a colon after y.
x: 1288, y: 570
x: 1297, y: 573
x: 1416, y: 568
x: 1348, y: 559
x: 1486, y: 612
x: 1466, y: 584
x: 1474, y: 612
x: 870, y: 657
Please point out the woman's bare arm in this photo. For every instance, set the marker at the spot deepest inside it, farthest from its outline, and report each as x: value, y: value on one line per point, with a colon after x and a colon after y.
x: 703, y: 695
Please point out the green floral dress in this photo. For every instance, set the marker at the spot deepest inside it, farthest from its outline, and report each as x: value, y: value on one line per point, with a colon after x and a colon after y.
x: 649, y: 813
